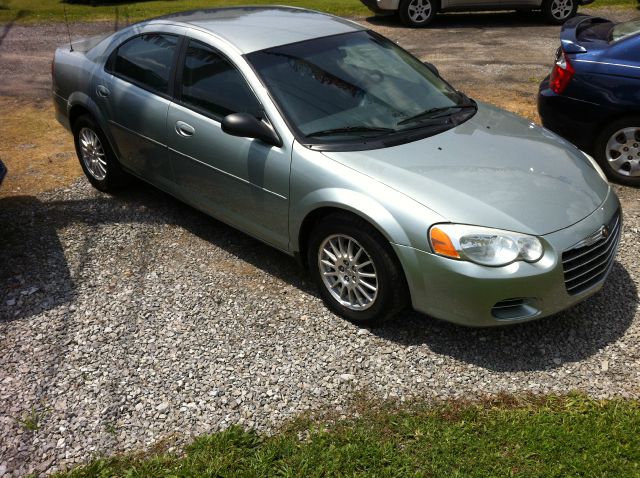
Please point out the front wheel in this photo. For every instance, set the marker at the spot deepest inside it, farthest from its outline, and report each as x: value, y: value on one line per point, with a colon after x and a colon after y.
x: 617, y: 150
x: 417, y: 13
x: 355, y: 270
x: 559, y: 11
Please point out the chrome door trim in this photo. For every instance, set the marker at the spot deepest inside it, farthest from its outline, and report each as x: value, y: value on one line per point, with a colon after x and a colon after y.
x: 606, y: 63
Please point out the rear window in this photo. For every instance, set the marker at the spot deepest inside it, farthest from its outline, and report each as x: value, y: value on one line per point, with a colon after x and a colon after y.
x: 625, y: 29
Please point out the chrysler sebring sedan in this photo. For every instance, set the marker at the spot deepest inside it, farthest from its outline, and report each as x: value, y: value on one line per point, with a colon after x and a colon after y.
x: 331, y: 143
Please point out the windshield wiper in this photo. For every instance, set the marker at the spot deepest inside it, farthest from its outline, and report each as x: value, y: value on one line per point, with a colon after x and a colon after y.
x: 435, y: 113
x: 351, y: 129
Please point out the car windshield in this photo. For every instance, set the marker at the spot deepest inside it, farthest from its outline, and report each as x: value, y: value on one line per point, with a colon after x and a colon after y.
x: 625, y: 29
x: 356, y: 85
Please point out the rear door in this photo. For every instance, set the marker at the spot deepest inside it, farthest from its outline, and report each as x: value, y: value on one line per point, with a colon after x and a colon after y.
x: 133, y: 94
x: 243, y: 181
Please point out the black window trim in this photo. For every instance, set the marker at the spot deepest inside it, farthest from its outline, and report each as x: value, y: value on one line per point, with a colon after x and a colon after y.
x: 108, y: 66
x: 174, y: 86
x: 177, y: 91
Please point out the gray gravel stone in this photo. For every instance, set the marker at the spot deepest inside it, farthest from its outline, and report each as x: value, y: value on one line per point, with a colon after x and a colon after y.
x: 161, y: 322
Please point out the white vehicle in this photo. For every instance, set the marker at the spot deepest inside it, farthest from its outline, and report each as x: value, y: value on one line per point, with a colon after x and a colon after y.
x: 419, y: 13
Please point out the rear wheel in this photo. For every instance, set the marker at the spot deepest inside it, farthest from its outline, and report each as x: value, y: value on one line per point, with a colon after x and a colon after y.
x: 617, y: 150
x: 98, y: 161
x: 559, y: 11
x: 357, y: 274
x: 417, y: 13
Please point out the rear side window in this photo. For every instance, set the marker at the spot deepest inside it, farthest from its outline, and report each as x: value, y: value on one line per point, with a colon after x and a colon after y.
x: 147, y: 60
x: 211, y: 84
x: 626, y: 29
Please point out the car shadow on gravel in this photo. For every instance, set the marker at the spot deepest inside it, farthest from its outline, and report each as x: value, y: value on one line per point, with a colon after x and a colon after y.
x: 35, y: 275
x: 570, y: 336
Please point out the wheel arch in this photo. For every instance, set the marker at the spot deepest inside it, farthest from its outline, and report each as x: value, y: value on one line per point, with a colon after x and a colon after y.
x: 356, y: 204
x: 606, y: 121
x: 79, y: 104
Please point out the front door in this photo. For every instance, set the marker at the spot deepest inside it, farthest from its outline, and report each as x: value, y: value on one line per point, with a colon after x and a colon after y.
x: 242, y: 181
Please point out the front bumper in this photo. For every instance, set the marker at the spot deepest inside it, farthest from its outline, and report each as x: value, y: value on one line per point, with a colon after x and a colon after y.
x: 469, y: 294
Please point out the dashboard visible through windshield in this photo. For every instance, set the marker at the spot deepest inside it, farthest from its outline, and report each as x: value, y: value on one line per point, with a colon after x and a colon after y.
x: 358, y: 91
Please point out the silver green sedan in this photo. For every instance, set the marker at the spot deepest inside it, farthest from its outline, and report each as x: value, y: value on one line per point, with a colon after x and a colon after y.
x: 333, y: 144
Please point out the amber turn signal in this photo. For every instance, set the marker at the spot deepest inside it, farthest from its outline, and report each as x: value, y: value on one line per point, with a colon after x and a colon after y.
x: 442, y: 244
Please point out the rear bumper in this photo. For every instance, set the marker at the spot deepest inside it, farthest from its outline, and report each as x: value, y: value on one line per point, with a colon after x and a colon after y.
x: 473, y: 295
x: 573, y: 119
x: 382, y: 6
x: 60, y: 107
x: 585, y: 2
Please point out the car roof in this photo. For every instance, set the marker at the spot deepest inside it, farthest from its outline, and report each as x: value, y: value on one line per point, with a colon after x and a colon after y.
x: 257, y: 28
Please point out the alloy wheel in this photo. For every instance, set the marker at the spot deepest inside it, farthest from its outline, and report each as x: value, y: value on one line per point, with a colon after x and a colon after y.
x: 92, y: 153
x: 419, y: 10
x: 623, y: 151
x: 348, y: 272
x: 561, y: 9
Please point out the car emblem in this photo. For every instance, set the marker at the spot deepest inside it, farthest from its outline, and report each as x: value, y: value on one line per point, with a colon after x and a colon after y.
x: 599, y: 235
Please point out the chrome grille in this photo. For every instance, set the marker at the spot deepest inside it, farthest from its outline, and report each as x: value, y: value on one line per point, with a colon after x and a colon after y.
x: 588, y: 262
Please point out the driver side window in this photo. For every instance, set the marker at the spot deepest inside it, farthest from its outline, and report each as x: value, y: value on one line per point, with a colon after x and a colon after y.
x: 213, y: 86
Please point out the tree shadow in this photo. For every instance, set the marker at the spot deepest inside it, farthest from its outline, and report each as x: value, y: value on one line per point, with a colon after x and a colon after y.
x: 569, y: 336
x: 9, y: 25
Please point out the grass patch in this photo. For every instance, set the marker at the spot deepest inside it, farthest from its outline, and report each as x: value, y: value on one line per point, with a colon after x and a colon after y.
x: 30, y: 421
x: 53, y: 10
x: 535, y: 437
x: 30, y: 11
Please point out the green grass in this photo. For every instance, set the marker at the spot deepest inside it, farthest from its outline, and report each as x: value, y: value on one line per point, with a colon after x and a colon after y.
x: 535, y: 437
x: 52, y: 10
x: 30, y: 11
x: 31, y: 420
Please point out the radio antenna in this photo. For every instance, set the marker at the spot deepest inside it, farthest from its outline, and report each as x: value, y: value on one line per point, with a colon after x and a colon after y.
x: 66, y: 20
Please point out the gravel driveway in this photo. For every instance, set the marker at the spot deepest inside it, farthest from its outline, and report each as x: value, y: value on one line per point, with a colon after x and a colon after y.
x: 128, y: 319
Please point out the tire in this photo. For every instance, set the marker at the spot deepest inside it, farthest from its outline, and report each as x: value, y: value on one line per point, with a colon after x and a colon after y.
x: 366, y: 307
x: 559, y: 11
x: 96, y: 157
x: 417, y: 13
x: 609, y: 150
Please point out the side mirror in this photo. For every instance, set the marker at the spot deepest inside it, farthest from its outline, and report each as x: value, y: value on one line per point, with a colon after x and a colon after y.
x: 432, y: 67
x: 248, y: 126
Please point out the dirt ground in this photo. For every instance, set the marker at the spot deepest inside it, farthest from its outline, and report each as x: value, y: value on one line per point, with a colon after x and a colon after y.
x: 498, y: 58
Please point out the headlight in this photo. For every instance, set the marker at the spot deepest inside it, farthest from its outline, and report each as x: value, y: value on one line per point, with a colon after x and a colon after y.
x: 596, y: 166
x: 488, y: 247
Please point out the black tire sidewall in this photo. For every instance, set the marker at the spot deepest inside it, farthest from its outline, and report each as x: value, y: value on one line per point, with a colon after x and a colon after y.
x: 115, y: 176
x: 403, y: 13
x: 546, y: 10
x: 391, y: 285
x: 600, y: 145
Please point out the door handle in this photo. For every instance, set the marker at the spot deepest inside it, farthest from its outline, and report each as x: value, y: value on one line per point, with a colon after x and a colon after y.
x: 102, y: 91
x: 184, y: 129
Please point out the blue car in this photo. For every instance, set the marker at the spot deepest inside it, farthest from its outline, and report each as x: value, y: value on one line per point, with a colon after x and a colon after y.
x: 592, y: 96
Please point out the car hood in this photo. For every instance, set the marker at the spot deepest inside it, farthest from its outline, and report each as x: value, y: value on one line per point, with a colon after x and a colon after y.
x: 495, y: 170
